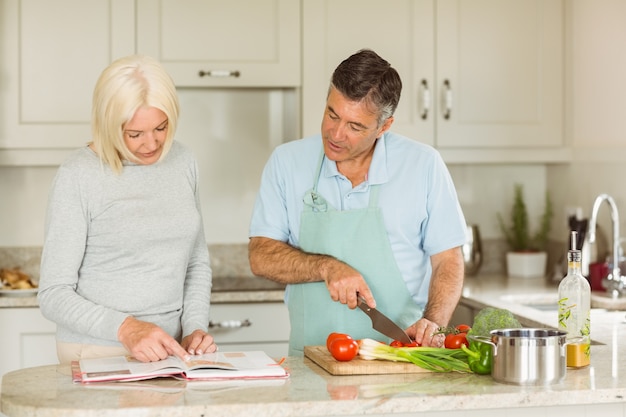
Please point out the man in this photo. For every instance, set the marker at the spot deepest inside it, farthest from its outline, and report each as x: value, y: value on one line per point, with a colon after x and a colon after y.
x: 360, y: 211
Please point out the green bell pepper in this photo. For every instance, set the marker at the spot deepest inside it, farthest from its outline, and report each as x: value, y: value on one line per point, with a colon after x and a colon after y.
x: 479, y: 357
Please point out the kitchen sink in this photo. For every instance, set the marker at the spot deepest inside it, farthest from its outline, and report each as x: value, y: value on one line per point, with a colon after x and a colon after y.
x: 543, y: 302
x: 604, y: 300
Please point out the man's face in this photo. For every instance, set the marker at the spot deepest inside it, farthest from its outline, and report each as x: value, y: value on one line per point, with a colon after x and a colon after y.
x: 349, y: 128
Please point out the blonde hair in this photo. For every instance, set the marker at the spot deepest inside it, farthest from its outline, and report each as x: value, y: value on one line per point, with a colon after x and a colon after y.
x: 125, y: 86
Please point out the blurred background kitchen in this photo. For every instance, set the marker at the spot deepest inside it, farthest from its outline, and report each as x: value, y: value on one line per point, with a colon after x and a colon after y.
x: 510, y: 91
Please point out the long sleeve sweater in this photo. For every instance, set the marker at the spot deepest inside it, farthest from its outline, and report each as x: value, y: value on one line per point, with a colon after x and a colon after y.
x: 124, y: 245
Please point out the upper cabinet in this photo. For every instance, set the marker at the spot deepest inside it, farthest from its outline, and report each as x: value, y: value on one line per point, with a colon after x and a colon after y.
x: 335, y: 29
x: 50, y: 60
x: 211, y: 43
x: 598, y: 119
x: 482, y: 80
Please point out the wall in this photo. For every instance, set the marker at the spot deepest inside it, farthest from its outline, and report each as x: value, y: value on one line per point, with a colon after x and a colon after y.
x: 232, y: 133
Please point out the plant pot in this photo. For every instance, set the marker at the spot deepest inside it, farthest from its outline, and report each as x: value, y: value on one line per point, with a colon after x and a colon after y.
x: 526, y: 264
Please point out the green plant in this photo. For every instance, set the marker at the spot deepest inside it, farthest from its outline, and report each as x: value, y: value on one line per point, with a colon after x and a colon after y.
x: 517, y: 234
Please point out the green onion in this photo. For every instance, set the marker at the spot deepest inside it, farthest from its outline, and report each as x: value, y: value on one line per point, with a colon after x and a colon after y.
x: 430, y: 358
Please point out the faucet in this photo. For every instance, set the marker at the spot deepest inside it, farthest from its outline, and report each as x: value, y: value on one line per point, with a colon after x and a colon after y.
x: 615, y: 281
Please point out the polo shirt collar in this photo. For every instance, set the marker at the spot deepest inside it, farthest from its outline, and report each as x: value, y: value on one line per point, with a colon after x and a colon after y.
x: 377, y: 174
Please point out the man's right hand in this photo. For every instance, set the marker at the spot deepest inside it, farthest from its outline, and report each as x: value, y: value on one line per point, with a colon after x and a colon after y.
x: 283, y: 263
x: 345, y: 284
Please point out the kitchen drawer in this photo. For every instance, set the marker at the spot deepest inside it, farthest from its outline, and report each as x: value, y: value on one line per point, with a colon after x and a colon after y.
x: 251, y: 326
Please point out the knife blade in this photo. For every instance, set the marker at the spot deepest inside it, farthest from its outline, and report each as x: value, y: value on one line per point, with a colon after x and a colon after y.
x: 384, y: 324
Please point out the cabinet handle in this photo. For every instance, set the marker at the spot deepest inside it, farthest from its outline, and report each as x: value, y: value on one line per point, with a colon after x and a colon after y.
x: 219, y: 73
x: 425, y: 99
x: 447, y: 99
x: 230, y: 324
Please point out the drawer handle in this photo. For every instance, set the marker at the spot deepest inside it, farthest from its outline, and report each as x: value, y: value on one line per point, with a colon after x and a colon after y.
x: 219, y: 73
x: 229, y: 324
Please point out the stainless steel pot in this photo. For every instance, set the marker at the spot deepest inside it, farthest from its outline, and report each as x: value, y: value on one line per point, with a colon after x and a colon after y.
x: 527, y: 356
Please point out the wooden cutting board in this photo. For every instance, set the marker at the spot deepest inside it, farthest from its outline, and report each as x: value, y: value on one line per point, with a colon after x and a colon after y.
x: 358, y: 366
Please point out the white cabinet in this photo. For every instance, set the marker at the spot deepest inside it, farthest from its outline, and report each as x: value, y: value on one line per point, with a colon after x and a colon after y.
x: 237, y: 43
x: 598, y: 119
x: 400, y: 31
x: 51, y: 54
x: 251, y: 326
x: 482, y: 80
x: 28, y: 339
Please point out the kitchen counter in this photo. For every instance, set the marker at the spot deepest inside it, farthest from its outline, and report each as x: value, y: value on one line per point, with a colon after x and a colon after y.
x: 241, y: 289
x: 310, y: 391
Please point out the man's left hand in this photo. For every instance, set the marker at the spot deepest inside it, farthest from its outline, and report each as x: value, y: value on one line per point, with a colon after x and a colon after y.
x: 426, y: 333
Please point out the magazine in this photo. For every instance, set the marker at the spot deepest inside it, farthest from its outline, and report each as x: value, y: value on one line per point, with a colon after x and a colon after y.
x: 209, y: 366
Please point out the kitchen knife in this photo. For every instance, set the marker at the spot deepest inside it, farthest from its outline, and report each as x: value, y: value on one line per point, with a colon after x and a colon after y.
x: 384, y: 324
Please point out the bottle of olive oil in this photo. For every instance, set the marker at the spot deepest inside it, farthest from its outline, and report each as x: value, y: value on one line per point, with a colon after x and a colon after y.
x: 574, y: 310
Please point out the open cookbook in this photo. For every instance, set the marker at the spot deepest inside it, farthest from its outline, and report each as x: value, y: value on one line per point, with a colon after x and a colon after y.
x: 210, y: 366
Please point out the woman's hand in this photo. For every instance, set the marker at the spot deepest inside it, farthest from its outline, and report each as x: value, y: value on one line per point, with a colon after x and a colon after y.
x: 147, y: 342
x: 199, y: 342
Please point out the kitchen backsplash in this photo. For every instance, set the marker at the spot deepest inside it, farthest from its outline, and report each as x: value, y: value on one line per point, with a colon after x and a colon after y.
x: 227, y: 260
x: 231, y: 260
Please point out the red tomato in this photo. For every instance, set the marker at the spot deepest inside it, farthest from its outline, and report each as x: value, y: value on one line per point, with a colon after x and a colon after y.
x: 454, y: 341
x: 336, y: 336
x: 344, y: 349
x: 463, y: 328
x: 397, y: 343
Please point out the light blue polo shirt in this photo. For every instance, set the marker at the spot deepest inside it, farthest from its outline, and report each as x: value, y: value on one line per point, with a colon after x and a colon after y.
x: 418, y: 200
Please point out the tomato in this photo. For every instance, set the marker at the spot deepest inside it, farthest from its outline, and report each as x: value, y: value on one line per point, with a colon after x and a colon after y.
x: 462, y: 328
x: 344, y: 349
x: 336, y: 336
x: 454, y: 341
x: 397, y: 343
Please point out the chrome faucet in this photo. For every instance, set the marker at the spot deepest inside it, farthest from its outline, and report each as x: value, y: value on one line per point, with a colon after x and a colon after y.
x: 615, y: 282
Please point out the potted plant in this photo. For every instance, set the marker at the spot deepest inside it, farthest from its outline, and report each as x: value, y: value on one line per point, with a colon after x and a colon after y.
x: 527, y: 256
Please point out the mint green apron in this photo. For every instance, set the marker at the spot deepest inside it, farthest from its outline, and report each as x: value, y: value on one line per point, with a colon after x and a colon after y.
x: 358, y: 238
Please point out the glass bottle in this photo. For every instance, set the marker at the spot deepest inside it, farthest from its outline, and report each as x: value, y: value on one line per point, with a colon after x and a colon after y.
x: 575, y: 309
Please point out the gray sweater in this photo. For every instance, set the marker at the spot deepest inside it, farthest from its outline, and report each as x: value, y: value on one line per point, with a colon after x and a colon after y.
x: 129, y: 244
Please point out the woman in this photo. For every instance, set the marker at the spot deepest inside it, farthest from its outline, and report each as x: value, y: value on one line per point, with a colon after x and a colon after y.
x: 125, y: 265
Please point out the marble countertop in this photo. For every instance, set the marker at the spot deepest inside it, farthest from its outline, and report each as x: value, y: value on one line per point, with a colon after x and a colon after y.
x: 311, y: 391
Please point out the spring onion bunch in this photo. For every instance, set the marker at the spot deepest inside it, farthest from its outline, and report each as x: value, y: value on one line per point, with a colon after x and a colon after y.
x: 430, y: 358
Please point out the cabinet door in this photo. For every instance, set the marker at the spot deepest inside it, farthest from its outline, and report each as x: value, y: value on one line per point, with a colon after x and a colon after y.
x: 51, y: 54
x: 28, y: 339
x: 599, y: 86
x: 237, y: 43
x: 499, y: 73
x: 400, y: 31
x: 251, y: 326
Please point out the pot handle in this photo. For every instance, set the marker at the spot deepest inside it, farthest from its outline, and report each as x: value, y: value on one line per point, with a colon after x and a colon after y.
x: 483, y: 339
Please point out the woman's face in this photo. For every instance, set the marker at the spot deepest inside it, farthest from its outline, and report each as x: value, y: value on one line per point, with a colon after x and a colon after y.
x: 145, y: 134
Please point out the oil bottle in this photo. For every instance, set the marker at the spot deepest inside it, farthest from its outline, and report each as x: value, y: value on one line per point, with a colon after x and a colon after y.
x: 574, y: 310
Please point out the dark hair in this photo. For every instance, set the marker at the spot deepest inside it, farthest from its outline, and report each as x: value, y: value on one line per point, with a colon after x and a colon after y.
x: 366, y: 76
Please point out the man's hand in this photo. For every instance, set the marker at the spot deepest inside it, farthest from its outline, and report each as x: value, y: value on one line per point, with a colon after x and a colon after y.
x: 147, y: 342
x: 199, y: 342
x: 424, y: 332
x: 283, y: 263
x: 345, y: 284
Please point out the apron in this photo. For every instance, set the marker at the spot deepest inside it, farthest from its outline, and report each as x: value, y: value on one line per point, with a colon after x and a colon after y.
x: 358, y: 238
